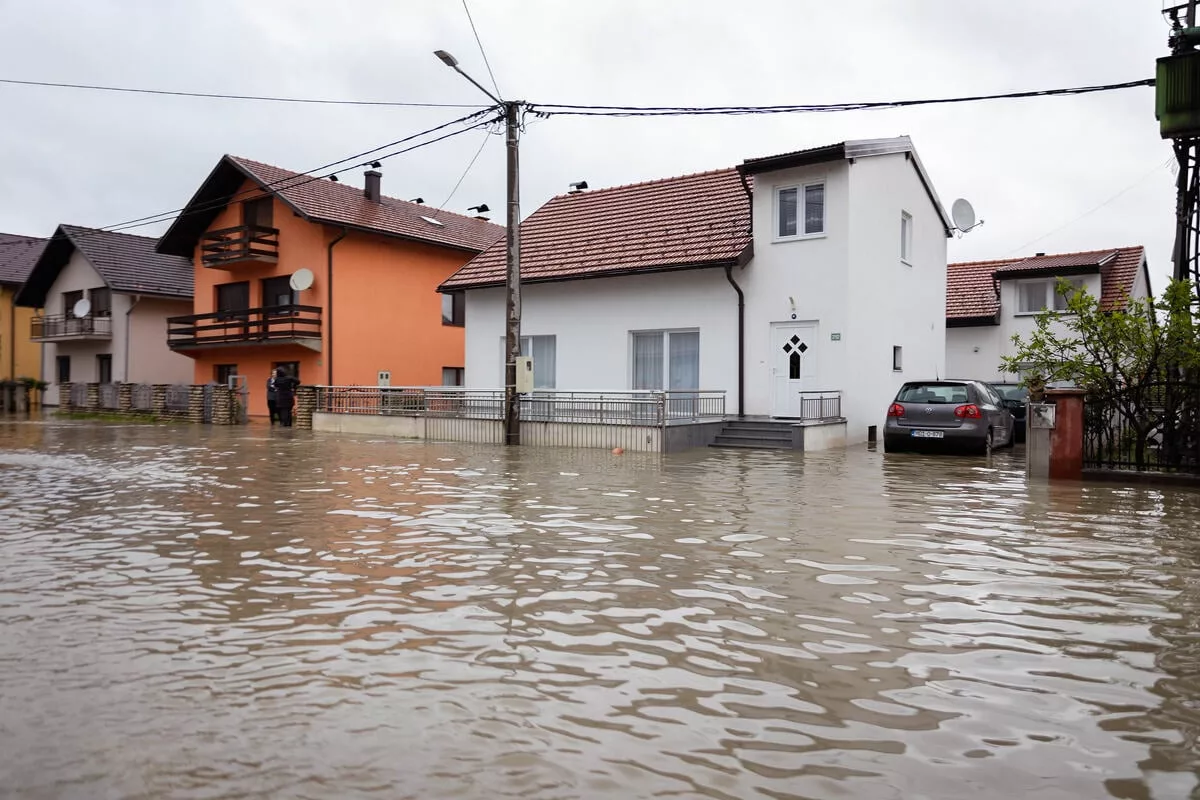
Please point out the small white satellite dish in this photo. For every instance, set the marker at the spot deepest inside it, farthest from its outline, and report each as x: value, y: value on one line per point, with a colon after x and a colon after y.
x: 963, y: 215
x: 301, y: 279
x: 82, y: 307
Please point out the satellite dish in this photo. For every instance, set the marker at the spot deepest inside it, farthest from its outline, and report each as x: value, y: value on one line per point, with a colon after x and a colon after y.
x: 963, y: 215
x: 301, y: 279
x: 82, y: 307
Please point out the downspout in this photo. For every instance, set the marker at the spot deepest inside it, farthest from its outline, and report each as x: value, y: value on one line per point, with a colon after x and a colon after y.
x: 137, y: 298
x: 329, y: 306
x: 741, y: 378
x: 12, y: 335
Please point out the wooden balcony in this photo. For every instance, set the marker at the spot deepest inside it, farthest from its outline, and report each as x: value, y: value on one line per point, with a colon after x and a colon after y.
x: 244, y: 244
x: 67, y: 327
x: 273, y: 325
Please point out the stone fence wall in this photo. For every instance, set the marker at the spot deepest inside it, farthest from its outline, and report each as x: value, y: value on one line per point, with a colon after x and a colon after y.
x: 197, y: 403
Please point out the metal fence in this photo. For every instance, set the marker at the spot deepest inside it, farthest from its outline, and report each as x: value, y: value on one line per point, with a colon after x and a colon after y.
x: 110, y: 396
x: 820, y: 405
x: 79, y: 394
x: 141, y: 397
x: 1161, y: 435
x: 177, y: 397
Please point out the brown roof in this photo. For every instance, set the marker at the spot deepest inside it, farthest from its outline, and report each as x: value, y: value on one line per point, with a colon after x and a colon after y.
x: 18, y: 254
x: 689, y: 222
x: 127, y: 263
x: 972, y: 291
x: 323, y: 201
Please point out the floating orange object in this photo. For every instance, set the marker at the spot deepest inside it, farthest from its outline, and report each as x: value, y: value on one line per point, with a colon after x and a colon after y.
x: 618, y: 451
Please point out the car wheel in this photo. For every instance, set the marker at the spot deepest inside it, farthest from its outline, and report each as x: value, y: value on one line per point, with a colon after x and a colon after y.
x: 987, y: 443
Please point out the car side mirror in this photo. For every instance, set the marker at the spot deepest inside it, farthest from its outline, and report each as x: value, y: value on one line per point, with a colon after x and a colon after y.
x: 1013, y: 405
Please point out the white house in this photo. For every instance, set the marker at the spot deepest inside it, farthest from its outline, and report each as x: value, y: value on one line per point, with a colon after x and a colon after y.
x: 839, y: 253
x: 987, y: 302
x: 119, y: 334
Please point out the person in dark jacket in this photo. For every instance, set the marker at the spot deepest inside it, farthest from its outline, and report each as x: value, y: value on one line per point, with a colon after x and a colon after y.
x: 285, y: 395
x: 272, y: 408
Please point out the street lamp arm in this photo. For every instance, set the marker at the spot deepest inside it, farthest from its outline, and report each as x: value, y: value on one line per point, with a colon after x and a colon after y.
x: 452, y: 62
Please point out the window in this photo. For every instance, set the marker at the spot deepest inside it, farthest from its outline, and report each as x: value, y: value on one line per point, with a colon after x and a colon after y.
x: 897, y: 358
x: 666, y: 360
x: 69, y: 301
x: 233, y: 296
x: 258, y: 212
x: 104, y: 368
x: 906, y: 237
x: 542, y: 349
x: 453, y: 376
x: 64, y: 369
x: 454, y: 308
x: 1034, y: 296
x: 277, y: 292
x: 223, y: 372
x: 290, y: 367
x: 795, y: 222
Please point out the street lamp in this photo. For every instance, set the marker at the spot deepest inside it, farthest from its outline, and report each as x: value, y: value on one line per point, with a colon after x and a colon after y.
x: 512, y: 275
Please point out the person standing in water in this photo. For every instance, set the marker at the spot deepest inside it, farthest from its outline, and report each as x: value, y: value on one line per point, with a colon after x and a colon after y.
x: 272, y: 408
x: 285, y: 395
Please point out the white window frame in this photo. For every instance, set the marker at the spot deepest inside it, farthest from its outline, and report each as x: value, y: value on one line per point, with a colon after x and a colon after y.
x: 801, y: 192
x: 906, y: 238
x: 528, y: 337
x: 1050, y: 295
x: 666, y: 333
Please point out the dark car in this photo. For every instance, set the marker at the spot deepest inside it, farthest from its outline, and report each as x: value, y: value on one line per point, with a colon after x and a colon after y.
x: 960, y: 415
x: 1018, y: 397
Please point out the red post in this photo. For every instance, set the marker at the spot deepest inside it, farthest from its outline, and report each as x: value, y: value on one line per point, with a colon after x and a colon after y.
x: 1066, y: 440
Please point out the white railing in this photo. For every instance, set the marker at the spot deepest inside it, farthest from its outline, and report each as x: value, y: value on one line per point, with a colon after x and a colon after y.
x: 654, y: 408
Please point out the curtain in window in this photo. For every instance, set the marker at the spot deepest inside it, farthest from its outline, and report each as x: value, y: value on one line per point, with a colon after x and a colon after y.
x: 1032, y: 297
x: 787, y: 212
x: 685, y: 360
x: 648, y: 360
x: 543, y: 350
x: 814, y: 208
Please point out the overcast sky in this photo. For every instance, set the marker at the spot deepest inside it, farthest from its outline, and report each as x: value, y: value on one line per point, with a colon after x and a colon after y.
x: 1036, y: 170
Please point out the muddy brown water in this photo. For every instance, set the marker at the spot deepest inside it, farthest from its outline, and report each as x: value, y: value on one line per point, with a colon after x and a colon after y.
x: 241, y: 613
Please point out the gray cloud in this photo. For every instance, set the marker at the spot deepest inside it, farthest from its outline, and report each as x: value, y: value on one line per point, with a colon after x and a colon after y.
x: 1031, y: 167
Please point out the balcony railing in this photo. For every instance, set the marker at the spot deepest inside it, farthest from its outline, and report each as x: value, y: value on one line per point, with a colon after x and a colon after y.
x: 820, y: 405
x: 244, y: 243
x: 270, y: 325
x: 59, y: 327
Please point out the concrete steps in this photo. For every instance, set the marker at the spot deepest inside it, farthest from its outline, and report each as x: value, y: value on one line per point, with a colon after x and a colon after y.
x: 755, y: 435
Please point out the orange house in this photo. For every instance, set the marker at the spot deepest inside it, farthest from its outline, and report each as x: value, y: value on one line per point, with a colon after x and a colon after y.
x: 337, y: 284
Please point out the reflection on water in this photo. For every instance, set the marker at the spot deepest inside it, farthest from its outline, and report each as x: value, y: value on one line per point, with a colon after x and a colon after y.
x: 209, y: 613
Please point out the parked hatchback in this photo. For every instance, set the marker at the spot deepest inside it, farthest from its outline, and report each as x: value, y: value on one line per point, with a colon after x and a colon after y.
x: 1017, y: 397
x: 960, y: 415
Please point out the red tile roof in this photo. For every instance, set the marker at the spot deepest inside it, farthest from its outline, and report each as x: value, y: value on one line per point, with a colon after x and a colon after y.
x: 693, y: 221
x: 972, y: 291
x: 323, y: 201
x: 18, y: 254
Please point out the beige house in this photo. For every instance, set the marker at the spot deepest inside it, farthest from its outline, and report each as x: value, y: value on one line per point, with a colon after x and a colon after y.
x: 104, y: 299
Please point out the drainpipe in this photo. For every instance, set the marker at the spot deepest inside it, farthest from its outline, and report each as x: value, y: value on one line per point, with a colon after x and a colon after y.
x: 741, y: 380
x: 128, y: 315
x: 12, y: 335
x: 329, y: 306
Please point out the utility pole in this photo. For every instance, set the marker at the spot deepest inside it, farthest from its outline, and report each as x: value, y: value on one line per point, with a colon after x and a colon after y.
x: 1177, y: 107
x: 512, y: 270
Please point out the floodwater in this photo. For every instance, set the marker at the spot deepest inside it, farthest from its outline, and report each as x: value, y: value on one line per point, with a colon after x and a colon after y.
x: 245, y: 613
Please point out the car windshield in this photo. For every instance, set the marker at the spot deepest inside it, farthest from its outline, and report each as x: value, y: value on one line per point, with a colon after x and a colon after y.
x: 933, y: 393
x: 1011, y: 391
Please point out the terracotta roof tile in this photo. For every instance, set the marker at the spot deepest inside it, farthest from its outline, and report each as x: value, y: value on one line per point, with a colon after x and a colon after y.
x: 971, y: 286
x: 341, y: 204
x: 18, y: 254
x: 689, y: 221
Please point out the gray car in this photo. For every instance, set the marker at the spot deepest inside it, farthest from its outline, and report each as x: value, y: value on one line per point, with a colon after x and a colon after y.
x: 960, y: 415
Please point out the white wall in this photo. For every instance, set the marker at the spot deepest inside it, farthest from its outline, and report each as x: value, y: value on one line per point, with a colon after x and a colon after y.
x: 810, y: 271
x: 974, y: 352
x: 151, y: 360
x: 892, y: 302
x: 592, y: 320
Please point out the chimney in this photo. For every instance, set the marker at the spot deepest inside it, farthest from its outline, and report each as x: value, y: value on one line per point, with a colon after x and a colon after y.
x: 1039, y: 255
x: 371, y: 187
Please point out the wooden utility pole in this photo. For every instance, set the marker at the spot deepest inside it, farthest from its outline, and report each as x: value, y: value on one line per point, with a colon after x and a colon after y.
x: 512, y: 276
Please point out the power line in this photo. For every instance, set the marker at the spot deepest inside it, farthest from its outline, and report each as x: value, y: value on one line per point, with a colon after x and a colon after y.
x: 564, y: 109
x: 290, y: 182
x: 481, y: 51
x: 486, y: 138
x: 217, y: 96
x: 1089, y: 212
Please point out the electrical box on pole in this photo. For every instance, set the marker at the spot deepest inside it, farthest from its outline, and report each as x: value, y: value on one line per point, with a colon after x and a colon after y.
x: 524, y: 374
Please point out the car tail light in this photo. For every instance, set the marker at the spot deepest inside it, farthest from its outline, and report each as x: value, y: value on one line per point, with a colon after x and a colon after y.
x: 970, y: 411
x: 896, y: 410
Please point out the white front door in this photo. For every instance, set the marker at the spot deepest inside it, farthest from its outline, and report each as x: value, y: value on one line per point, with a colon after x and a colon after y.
x: 793, y: 365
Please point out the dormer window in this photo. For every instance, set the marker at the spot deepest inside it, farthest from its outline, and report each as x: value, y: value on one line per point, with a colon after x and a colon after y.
x: 1036, y: 296
x: 800, y: 210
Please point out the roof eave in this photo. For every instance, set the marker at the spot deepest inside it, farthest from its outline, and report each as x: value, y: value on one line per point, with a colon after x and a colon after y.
x: 390, y: 235
x: 1046, y: 272
x: 736, y: 261
x: 44, y: 273
x: 973, y: 322
x: 820, y: 155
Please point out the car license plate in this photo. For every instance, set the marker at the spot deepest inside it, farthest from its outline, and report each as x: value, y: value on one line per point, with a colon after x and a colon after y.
x: 928, y: 434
